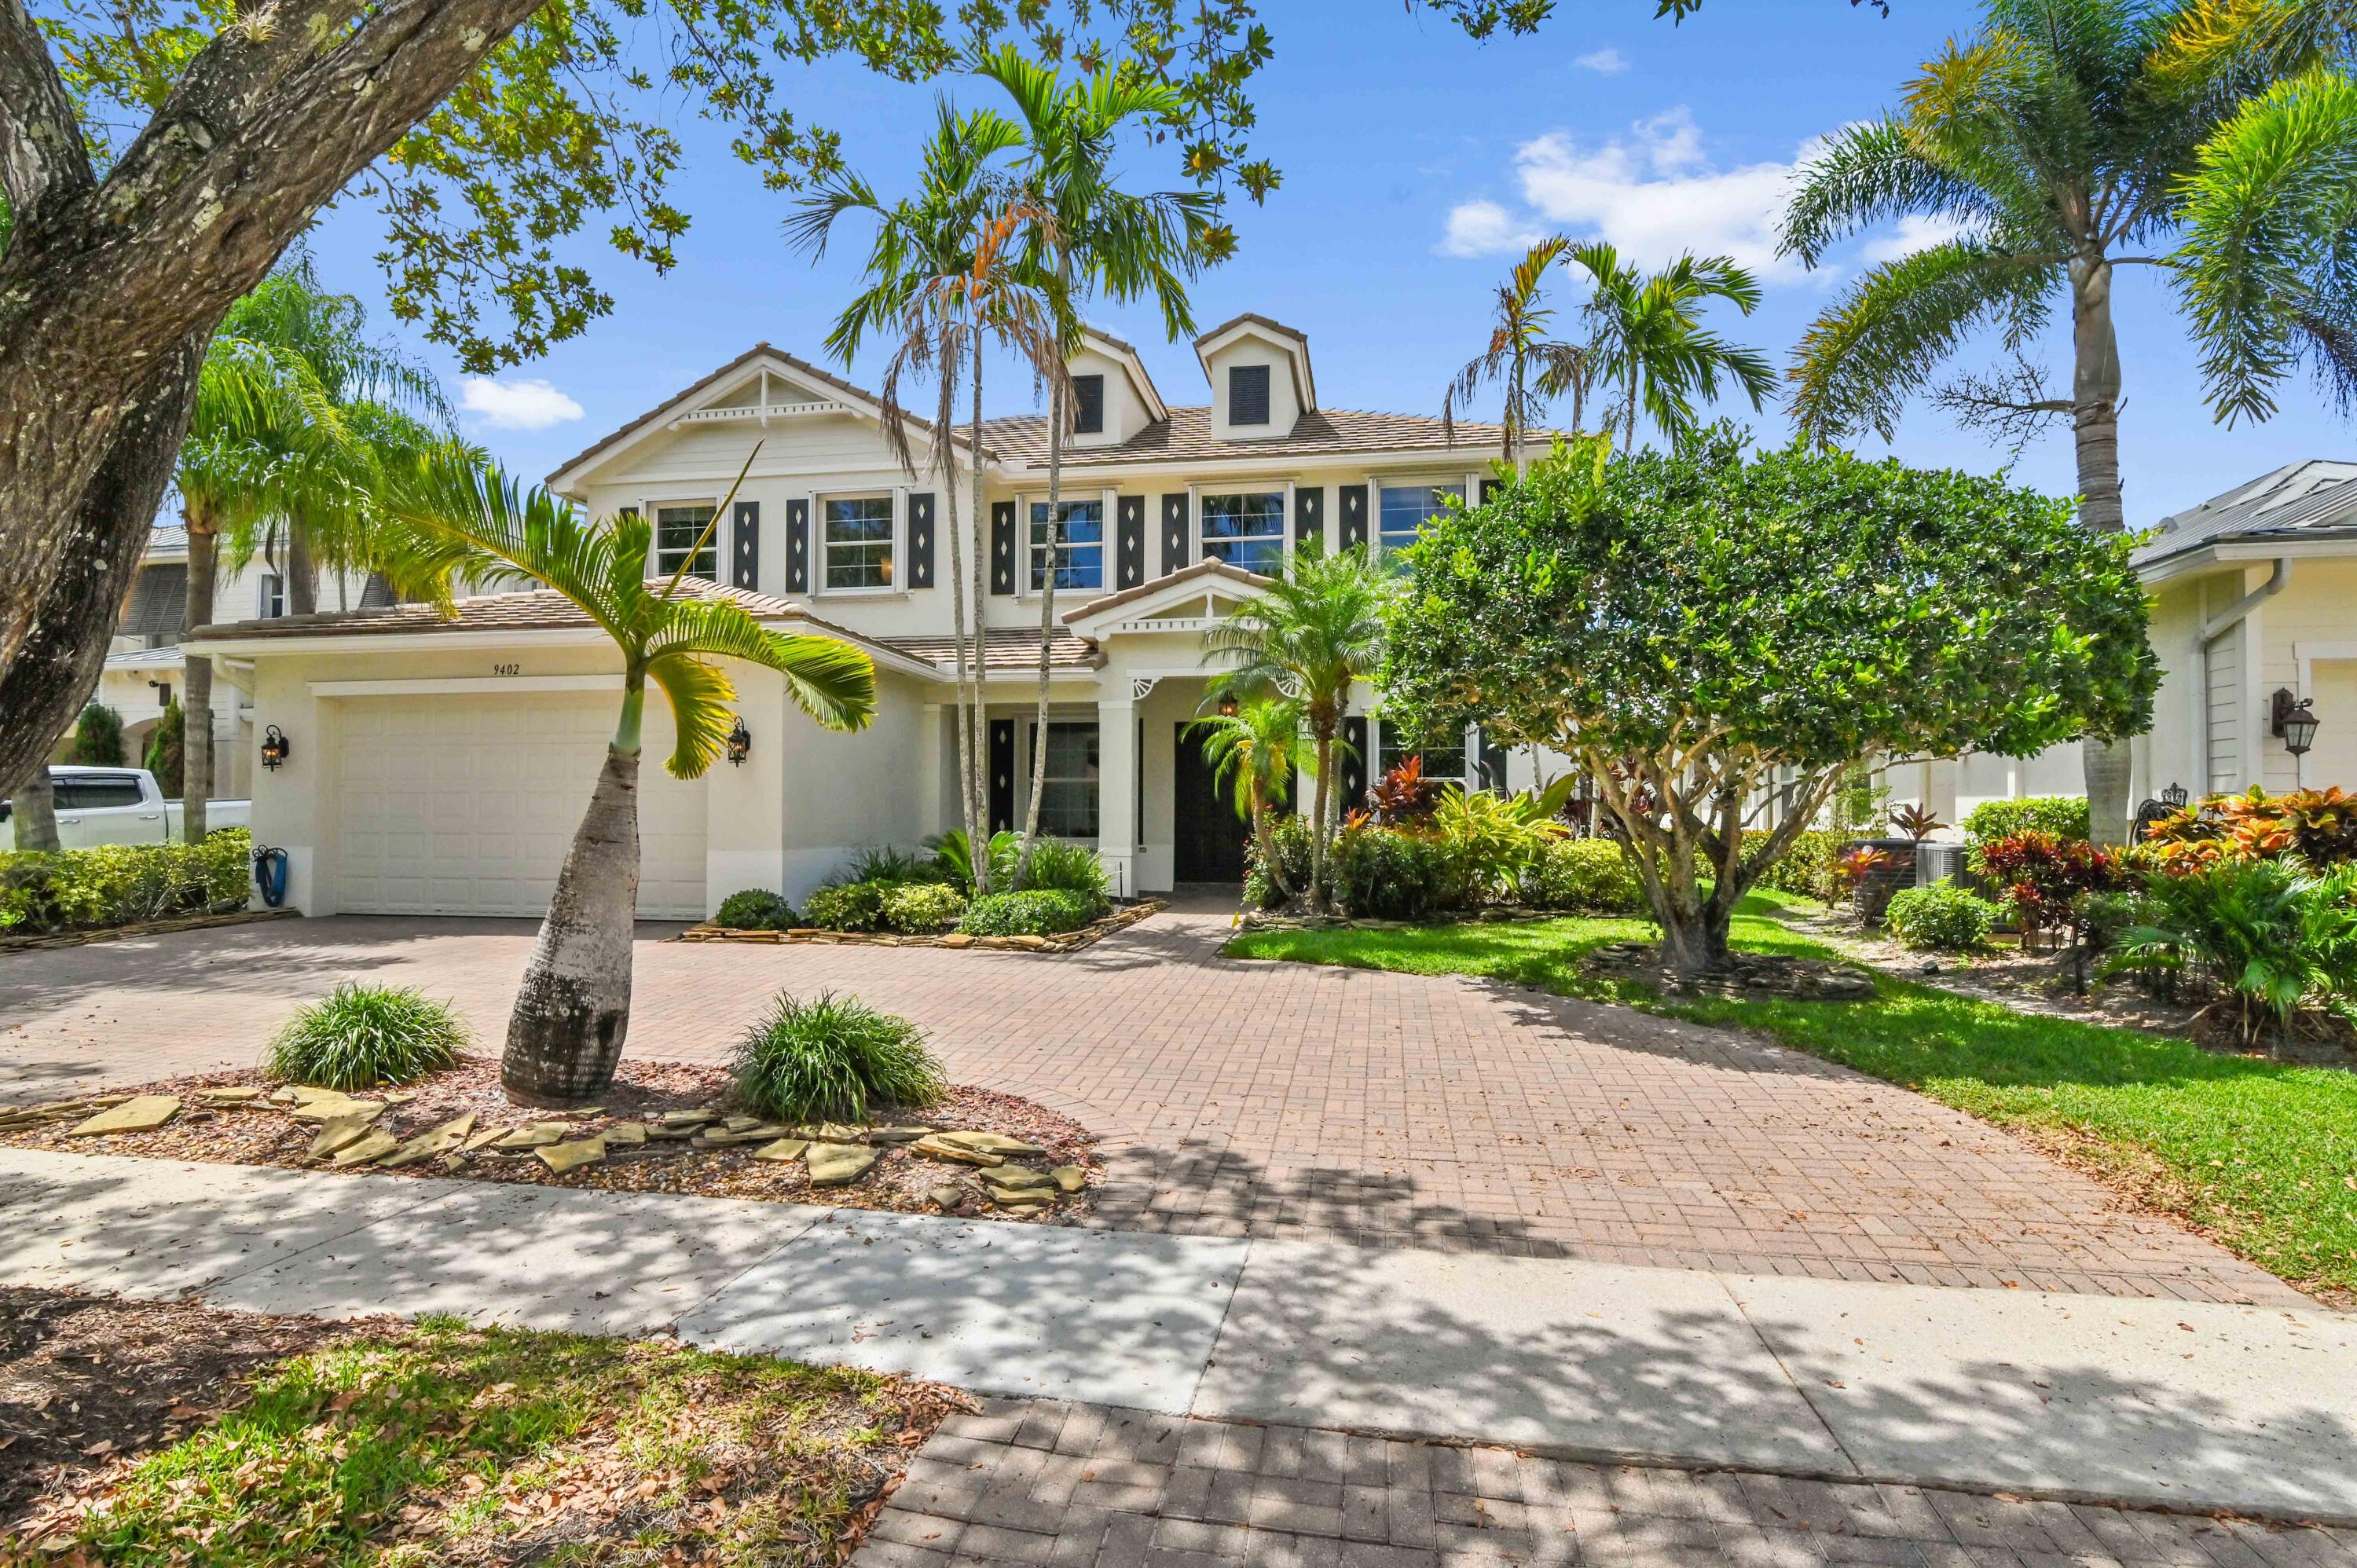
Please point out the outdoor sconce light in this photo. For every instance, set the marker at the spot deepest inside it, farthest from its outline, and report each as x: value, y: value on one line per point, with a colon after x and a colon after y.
x: 740, y: 742
x: 276, y: 747
x: 2295, y: 720
x: 2175, y: 797
x: 1227, y: 708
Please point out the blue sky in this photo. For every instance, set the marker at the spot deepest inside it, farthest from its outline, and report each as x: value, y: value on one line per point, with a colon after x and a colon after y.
x: 1416, y: 163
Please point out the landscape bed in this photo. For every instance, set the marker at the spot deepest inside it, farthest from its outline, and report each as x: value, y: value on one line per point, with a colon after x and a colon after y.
x: 1063, y: 941
x: 230, y: 1118
x: 164, y: 1433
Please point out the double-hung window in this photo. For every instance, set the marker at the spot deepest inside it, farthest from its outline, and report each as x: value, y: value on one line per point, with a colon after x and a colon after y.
x: 1442, y: 763
x: 273, y: 597
x: 858, y: 542
x: 1405, y: 507
x: 1088, y: 405
x: 1077, y: 552
x: 1246, y: 531
x: 678, y: 526
x: 1067, y: 789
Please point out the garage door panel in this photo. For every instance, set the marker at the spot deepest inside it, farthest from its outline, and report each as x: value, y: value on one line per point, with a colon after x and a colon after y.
x: 467, y: 805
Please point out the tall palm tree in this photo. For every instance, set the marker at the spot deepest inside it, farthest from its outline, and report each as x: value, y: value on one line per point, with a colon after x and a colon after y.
x: 1089, y: 235
x: 573, y: 1012
x: 1257, y: 749
x: 1650, y: 340
x: 1308, y: 637
x: 1519, y: 345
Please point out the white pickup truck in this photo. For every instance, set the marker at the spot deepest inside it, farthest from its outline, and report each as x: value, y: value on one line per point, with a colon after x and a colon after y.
x: 119, y: 805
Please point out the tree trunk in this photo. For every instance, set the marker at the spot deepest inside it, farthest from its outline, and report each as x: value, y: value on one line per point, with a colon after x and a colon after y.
x: 1695, y: 945
x: 573, y: 1013
x: 961, y: 725
x: 302, y: 576
x: 1318, y: 842
x: 197, y: 698
x: 36, y: 808
x: 2094, y: 397
x: 1047, y: 621
x: 977, y: 725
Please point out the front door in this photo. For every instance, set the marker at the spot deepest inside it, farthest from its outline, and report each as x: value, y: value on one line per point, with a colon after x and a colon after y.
x: 1209, y: 836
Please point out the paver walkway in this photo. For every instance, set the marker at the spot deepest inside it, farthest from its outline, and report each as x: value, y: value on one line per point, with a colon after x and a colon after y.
x: 1268, y: 1101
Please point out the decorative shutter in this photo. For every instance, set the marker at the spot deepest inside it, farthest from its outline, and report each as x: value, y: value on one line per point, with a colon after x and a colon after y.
x: 920, y: 540
x: 1174, y: 534
x: 797, y: 546
x: 1129, y: 541
x: 1354, y: 767
x: 1490, y: 759
x: 1309, y: 519
x: 1002, y: 774
x: 1354, y: 515
x: 745, y: 569
x: 1490, y: 488
x: 1002, y: 553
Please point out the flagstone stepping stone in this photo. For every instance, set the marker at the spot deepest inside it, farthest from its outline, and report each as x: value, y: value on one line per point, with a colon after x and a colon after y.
x: 935, y: 1146
x: 535, y: 1135
x: 993, y: 1143
x: 669, y: 1134
x: 838, y: 1165
x: 946, y: 1196
x: 371, y: 1146
x: 891, y: 1135
x: 741, y: 1123
x: 836, y: 1133
x: 1019, y: 1178
x: 342, y: 1133
x: 784, y: 1149
x: 231, y: 1094
x: 562, y: 1157
x: 328, y: 1106
x: 630, y: 1134
x: 439, y: 1141
x: 484, y: 1137
x: 689, y: 1118
x: 1069, y: 1178
x: 955, y: 939
x: 142, y: 1113
x: 1005, y: 1197
x: 759, y: 1132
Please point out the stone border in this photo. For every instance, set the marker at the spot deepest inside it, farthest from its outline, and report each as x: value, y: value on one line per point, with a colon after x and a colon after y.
x: 144, y: 929
x: 1068, y: 942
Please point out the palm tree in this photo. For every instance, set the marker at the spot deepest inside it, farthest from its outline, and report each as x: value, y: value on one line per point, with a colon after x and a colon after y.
x: 1257, y: 749
x: 1518, y: 345
x: 2067, y: 138
x: 1089, y: 234
x: 1648, y: 340
x: 1307, y: 637
x: 573, y: 1011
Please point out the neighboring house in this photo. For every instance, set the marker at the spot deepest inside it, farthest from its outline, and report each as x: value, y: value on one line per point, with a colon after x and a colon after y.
x: 2253, y: 595
x: 441, y: 766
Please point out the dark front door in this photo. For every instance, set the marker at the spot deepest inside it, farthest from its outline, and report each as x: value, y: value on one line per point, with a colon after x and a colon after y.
x: 1210, y: 844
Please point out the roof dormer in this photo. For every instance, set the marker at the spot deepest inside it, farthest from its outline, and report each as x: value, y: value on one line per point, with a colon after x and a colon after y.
x: 1113, y: 398
x: 1259, y: 371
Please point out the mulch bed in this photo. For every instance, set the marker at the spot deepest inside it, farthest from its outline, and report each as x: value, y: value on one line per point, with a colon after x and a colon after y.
x: 642, y: 1091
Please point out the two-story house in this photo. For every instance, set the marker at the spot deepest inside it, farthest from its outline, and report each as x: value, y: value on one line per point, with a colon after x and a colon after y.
x: 440, y: 766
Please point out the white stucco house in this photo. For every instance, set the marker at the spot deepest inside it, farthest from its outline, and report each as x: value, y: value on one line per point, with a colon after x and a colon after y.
x: 441, y: 766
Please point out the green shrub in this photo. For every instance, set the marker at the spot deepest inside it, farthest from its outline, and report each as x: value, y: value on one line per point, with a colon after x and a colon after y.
x: 882, y: 863
x: 846, y: 907
x: 165, y: 754
x: 917, y: 907
x: 1383, y: 875
x: 1493, y: 840
x: 1071, y: 867
x: 754, y: 910
x: 1943, y: 917
x: 2063, y: 816
x: 2262, y: 932
x: 1037, y: 912
x: 1583, y: 876
x: 951, y: 863
x: 123, y: 885
x: 1290, y: 836
x: 1805, y: 869
x: 98, y: 738
x: 833, y: 1059
x: 361, y: 1037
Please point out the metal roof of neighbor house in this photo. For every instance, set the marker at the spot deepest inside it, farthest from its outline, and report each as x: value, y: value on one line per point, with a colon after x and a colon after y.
x: 1013, y: 649
x: 2312, y: 500
x: 162, y: 541
x: 167, y: 656
x: 1186, y: 436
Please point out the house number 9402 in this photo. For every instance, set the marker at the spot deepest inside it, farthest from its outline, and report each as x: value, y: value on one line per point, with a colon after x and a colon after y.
x: 507, y: 669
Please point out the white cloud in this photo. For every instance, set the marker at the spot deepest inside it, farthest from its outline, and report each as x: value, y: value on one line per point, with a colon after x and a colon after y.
x: 1654, y: 193
x: 1482, y: 229
x: 1915, y: 234
x: 1604, y: 61
x: 516, y: 404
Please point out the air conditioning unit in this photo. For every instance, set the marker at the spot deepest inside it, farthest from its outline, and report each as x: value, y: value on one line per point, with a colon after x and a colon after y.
x: 1938, y: 862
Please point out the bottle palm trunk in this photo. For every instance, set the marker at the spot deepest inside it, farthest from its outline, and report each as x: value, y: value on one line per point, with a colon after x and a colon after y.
x: 1046, y: 622
x: 2095, y: 393
x: 978, y: 720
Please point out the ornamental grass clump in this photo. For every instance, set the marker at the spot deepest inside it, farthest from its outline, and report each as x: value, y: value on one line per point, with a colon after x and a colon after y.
x: 833, y: 1059
x: 364, y: 1037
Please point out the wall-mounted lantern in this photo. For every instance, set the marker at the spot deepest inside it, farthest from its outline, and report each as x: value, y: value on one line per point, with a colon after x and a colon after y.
x: 1227, y: 708
x: 276, y: 747
x: 740, y: 742
x: 2295, y: 721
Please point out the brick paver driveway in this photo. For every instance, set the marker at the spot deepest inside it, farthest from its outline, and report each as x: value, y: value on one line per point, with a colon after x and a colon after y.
x: 1263, y: 1098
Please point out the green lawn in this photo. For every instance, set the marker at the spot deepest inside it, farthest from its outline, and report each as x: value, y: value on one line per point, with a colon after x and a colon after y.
x: 2262, y: 1155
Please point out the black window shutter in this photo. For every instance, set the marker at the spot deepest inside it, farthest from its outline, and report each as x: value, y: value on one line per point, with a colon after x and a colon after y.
x: 1002, y: 774
x: 1129, y: 543
x: 1002, y: 551
x: 1174, y: 534
x: 1088, y: 405
x: 1490, y: 759
x: 1490, y: 488
x: 920, y: 540
x: 1309, y: 519
x: 1354, y: 767
x: 797, y: 546
x: 1248, y: 394
x: 745, y: 568
x: 1354, y: 514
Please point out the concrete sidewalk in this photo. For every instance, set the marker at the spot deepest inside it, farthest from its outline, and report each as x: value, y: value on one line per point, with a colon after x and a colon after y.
x: 2078, y: 1398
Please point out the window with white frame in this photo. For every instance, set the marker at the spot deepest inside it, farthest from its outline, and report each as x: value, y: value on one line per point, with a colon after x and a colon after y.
x: 1068, y: 785
x: 1403, y: 510
x: 1077, y: 549
x: 678, y: 526
x: 273, y: 597
x: 1442, y: 762
x: 1246, y: 530
x: 856, y: 543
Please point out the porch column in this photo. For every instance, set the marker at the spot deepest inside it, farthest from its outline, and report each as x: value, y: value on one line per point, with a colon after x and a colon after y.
x: 1117, y: 793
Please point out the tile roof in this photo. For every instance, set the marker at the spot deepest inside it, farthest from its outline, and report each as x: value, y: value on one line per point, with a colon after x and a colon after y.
x: 2315, y: 499
x: 532, y: 609
x: 1258, y: 319
x: 1187, y: 437
x: 1012, y: 648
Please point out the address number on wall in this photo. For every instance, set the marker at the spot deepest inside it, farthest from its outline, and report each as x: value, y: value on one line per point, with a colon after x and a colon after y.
x: 507, y: 669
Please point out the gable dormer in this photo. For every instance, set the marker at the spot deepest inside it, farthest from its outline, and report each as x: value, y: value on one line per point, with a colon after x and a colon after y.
x: 1113, y: 398
x: 1259, y: 371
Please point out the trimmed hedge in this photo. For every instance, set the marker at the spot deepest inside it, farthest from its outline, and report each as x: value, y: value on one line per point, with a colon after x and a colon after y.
x: 2064, y: 816
x: 1942, y: 917
x: 1805, y: 869
x: 1583, y: 876
x: 755, y: 909
x: 849, y: 906
x: 1040, y: 912
x: 918, y: 908
x: 123, y: 885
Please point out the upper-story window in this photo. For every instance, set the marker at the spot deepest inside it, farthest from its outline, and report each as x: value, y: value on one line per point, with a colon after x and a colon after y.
x: 1405, y: 507
x: 1248, y: 394
x: 857, y: 541
x: 273, y: 597
x: 1088, y: 405
x: 677, y: 528
x: 1246, y: 530
x: 1078, y: 550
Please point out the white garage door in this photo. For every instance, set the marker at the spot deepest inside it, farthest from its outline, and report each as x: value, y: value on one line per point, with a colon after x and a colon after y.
x: 465, y: 805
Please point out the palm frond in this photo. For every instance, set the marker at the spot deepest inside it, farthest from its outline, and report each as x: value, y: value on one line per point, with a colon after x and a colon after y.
x: 701, y: 697
x: 830, y: 680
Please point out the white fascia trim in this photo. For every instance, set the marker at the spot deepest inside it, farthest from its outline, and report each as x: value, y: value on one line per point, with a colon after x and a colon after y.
x: 2211, y: 557
x: 1419, y: 460
x: 409, y: 641
x: 465, y: 685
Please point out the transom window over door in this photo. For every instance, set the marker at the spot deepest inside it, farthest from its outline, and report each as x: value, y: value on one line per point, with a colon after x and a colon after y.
x: 1067, y: 789
x: 858, y: 542
x: 1078, y: 549
x: 677, y: 528
x: 1405, y: 509
x: 1246, y: 531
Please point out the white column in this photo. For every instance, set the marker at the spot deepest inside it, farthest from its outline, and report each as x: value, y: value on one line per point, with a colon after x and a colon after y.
x: 1117, y: 793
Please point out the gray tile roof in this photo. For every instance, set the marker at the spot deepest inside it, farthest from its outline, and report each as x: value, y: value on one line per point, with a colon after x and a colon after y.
x: 1005, y: 649
x: 2315, y: 499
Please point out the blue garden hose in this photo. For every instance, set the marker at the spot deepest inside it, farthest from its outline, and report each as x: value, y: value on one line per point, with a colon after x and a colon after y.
x: 270, y: 875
